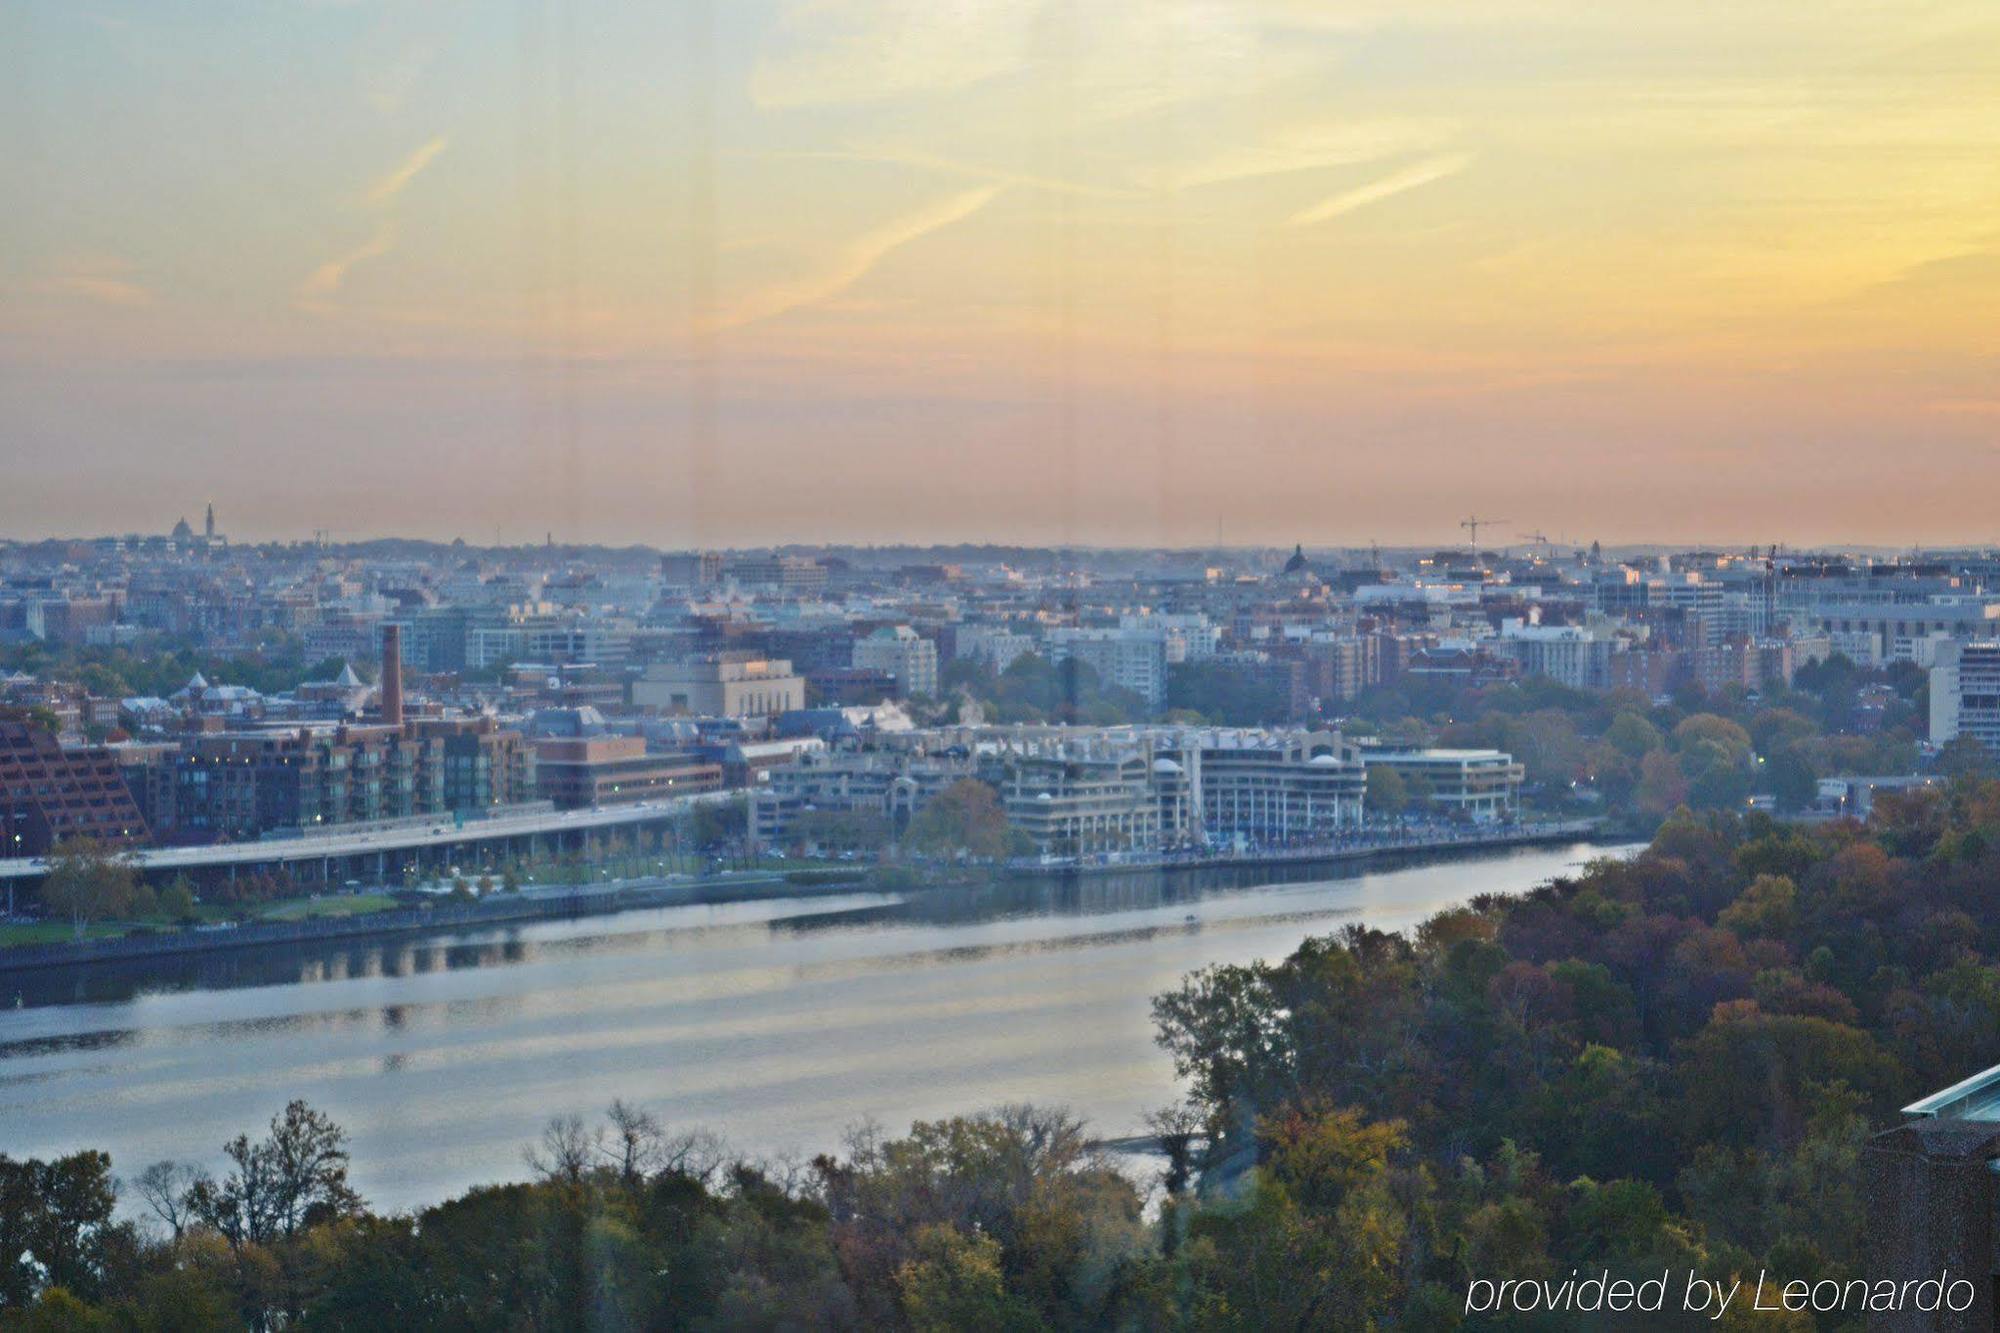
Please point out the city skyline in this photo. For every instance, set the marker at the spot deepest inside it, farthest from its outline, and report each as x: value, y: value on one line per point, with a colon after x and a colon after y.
x: 1510, y: 541
x: 733, y: 274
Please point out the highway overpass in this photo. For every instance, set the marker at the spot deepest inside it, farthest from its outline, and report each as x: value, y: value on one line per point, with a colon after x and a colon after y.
x: 380, y: 851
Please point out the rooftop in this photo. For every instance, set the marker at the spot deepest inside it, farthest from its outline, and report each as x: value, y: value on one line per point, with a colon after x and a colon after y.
x: 1975, y: 1098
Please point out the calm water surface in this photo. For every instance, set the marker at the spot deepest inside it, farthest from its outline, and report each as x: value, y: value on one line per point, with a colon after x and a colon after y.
x: 776, y: 1024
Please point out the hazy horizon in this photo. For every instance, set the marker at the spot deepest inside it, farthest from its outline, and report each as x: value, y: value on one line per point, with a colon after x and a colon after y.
x: 1027, y: 270
x: 1562, y: 547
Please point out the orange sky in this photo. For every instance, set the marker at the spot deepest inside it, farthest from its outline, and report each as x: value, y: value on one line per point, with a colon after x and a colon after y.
x: 1155, y: 272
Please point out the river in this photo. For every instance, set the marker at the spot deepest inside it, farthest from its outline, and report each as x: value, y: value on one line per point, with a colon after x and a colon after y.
x: 776, y: 1024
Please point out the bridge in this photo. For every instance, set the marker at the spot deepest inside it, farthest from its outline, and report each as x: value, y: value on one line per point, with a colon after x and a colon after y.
x: 331, y: 855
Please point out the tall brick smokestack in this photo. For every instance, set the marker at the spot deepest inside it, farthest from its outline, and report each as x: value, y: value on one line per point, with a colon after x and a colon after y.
x: 392, y: 675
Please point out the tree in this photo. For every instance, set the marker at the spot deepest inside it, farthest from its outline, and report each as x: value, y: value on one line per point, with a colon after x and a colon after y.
x: 58, y: 1310
x: 1768, y: 907
x: 1633, y: 736
x: 1965, y: 757
x: 955, y: 1282
x: 567, y: 1151
x: 717, y: 823
x: 843, y: 830
x: 1027, y: 1177
x: 1226, y: 1032
x: 296, y: 1176
x: 87, y: 882
x: 1177, y: 1126
x: 965, y: 817
x: 1388, y: 795
x: 1662, y: 787
x: 55, y: 1225
x: 164, y: 1187
x: 636, y: 1141
x: 177, y: 900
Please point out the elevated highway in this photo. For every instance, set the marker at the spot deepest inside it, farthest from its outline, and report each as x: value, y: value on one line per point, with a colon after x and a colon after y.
x: 378, y: 848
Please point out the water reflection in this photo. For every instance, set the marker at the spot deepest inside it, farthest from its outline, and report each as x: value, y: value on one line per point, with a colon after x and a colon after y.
x: 642, y: 930
x: 776, y: 1022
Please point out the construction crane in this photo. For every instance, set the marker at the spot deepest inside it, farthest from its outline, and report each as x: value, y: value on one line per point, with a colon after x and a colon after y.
x: 1475, y: 523
x: 1538, y: 537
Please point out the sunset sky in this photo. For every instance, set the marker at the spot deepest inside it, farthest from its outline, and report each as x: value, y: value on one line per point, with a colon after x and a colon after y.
x: 1111, y: 271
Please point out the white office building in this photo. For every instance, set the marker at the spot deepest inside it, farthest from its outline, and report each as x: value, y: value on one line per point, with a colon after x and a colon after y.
x: 903, y: 653
x: 1132, y: 659
x: 1570, y: 654
x: 1483, y: 785
x: 1965, y: 694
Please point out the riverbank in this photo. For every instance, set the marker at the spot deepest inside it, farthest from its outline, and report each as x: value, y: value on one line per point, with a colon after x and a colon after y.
x: 628, y: 895
x: 1363, y: 850
x: 532, y: 905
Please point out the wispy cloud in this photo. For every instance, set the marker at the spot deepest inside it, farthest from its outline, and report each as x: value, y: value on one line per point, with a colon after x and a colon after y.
x: 316, y: 293
x: 922, y: 161
x: 1307, y: 148
x: 849, y: 52
x: 856, y: 259
x: 1395, y: 183
x: 384, y: 191
x: 104, y: 279
x: 323, y: 282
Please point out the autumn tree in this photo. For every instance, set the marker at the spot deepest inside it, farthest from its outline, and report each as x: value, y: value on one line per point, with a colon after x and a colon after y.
x: 88, y: 882
x: 965, y: 817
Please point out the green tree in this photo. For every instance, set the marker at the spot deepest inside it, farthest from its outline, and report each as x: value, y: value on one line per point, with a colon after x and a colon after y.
x: 1966, y: 757
x: 1633, y: 736
x: 1388, y: 795
x: 177, y: 900
x: 56, y: 1227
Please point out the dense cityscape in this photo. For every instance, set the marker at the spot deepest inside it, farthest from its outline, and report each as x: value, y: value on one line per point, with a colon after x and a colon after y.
x: 180, y: 691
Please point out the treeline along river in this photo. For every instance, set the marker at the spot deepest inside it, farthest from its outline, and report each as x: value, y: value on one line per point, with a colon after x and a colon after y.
x: 776, y: 1023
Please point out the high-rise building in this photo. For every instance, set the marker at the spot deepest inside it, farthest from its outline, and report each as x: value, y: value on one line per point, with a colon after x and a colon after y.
x: 902, y: 652
x: 1965, y: 694
x: 691, y: 571
x: 1131, y: 659
x: 1568, y: 654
